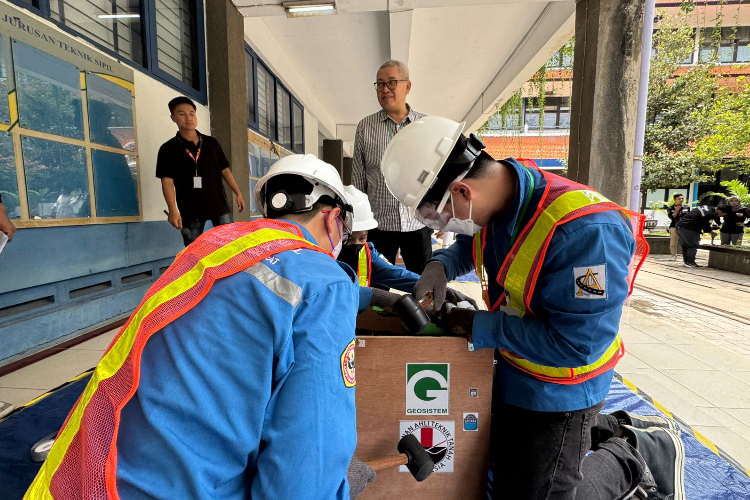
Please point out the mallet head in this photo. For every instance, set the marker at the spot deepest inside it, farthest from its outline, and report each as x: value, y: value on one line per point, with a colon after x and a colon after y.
x: 420, y: 463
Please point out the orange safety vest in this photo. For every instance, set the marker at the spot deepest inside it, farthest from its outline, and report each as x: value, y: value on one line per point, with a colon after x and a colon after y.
x: 562, y: 201
x: 364, y: 266
x: 82, y: 463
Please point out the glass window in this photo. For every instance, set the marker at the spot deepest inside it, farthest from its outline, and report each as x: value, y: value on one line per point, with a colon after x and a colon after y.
x: 284, y: 117
x: 265, y: 162
x: 299, y: 133
x: 57, y: 184
x: 254, y: 159
x: 49, y: 93
x: 115, y: 184
x: 176, y: 40
x: 253, y: 205
x: 556, y: 113
x: 266, y: 111
x: 4, y: 107
x: 250, y: 85
x: 114, y: 24
x: 8, y: 180
x: 731, y: 46
x: 110, y: 113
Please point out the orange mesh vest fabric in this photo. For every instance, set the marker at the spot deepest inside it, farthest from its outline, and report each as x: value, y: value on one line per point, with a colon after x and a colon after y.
x: 83, y: 461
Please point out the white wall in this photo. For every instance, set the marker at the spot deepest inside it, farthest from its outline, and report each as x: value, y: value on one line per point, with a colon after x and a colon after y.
x: 311, y: 134
x: 154, y: 128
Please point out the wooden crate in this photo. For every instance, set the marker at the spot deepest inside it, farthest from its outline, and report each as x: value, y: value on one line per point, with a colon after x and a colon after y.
x: 381, y: 406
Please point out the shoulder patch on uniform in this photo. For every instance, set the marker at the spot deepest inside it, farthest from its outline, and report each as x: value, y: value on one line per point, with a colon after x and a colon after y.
x: 347, y: 365
x: 590, y: 282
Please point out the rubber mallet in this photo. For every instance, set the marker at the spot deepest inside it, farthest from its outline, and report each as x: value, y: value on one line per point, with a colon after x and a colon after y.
x: 411, y: 454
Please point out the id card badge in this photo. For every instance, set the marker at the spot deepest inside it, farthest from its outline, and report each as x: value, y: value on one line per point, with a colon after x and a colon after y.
x: 197, y: 182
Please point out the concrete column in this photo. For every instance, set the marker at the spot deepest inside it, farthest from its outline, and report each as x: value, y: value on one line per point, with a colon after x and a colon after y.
x: 333, y: 153
x: 346, y: 173
x: 605, y: 95
x: 225, y: 58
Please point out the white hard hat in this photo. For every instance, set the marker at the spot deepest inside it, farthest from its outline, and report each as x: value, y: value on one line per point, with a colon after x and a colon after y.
x: 323, y: 176
x: 414, y: 157
x: 364, y: 220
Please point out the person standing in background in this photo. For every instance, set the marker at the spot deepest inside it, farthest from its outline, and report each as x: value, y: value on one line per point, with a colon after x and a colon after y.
x: 397, y: 230
x: 674, y: 212
x: 191, y: 167
x: 733, y: 228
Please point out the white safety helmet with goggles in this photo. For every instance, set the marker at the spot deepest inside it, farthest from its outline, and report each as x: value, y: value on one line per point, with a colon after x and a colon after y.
x: 322, y: 176
x: 413, y: 161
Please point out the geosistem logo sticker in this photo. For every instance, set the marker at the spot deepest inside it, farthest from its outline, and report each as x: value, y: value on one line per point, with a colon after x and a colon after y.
x: 427, y: 388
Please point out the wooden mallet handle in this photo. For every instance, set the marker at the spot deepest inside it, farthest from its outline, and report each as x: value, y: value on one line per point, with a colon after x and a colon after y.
x: 388, y: 462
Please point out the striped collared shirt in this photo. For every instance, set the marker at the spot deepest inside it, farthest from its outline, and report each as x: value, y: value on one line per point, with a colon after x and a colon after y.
x: 374, y: 132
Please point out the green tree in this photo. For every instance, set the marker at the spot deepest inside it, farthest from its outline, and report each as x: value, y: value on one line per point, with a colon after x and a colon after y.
x: 695, y: 126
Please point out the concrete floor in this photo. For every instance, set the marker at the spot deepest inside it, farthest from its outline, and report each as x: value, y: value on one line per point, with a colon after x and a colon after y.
x: 693, y: 361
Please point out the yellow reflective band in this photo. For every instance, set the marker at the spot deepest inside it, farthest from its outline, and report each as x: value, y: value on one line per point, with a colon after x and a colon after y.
x: 565, y: 373
x: 522, y: 265
x: 115, y: 357
x: 362, y: 267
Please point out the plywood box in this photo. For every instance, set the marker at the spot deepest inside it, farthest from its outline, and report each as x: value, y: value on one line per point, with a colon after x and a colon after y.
x: 382, y: 388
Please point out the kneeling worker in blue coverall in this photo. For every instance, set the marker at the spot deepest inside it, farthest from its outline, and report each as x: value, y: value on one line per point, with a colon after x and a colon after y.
x: 371, y: 267
x: 234, y: 378
x: 559, y: 260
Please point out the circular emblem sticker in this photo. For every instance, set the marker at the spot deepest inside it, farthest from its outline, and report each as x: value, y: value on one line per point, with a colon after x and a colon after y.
x: 347, y: 365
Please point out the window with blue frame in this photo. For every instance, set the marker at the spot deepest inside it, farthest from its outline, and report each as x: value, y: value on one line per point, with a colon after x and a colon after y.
x: 161, y: 37
x: 272, y: 110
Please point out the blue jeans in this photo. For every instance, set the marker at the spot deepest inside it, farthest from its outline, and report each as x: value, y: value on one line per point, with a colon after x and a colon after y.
x: 192, y: 229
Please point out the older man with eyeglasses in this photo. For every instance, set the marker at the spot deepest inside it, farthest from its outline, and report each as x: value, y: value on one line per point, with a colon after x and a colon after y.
x: 396, y: 229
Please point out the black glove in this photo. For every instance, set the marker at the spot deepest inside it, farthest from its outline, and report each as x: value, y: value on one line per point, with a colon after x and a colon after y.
x: 434, y: 281
x: 454, y: 296
x: 384, y: 299
x: 359, y: 474
x: 460, y: 321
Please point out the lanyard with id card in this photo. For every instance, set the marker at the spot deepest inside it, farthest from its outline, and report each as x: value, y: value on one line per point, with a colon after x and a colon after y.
x: 197, y: 180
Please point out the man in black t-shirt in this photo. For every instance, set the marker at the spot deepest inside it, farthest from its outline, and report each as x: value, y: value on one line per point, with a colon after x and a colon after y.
x: 191, y: 167
x: 692, y: 224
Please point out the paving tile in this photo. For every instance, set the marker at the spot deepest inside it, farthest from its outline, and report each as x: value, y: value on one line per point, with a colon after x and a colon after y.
x: 730, y: 421
x: 671, y: 335
x: 741, y: 414
x: 17, y: 397
x: 98, y: 343
x: 673, y: 396
x: 631, y: 335
x: 662, y: 356
x: 716, y: 387
x: 630, y: 364
x: 717, y: 356
x: 728, y: 440
x: 53, y: 371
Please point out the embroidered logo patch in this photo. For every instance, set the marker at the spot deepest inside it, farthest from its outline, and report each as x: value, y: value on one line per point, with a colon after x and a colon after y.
x: 347, y: 365
x: 590, y: 282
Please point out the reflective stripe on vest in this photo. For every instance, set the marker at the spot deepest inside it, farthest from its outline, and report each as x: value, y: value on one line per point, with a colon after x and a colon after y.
x: 561, y: 202
x: 82, y: 462
x: 364, y: 265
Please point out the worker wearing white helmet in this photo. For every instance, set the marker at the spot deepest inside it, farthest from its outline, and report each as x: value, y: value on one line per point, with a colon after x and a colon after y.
x: 373, y: 270
x: 556, y: 260
x: 235, y: 377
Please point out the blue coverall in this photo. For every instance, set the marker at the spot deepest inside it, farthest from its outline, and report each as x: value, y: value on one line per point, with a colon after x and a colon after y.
x: 244, y: 395
x: 569, y: 330
x: 384, y: 273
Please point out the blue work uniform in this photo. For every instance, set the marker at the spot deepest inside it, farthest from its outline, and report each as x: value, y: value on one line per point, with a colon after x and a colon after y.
x: 570, y: 329
x: 244, y: 396
x: 384, y: 273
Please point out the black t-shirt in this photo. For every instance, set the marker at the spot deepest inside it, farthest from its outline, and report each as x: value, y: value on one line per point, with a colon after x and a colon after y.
x: 738, y: 214
x: 203, y: 203
x: 698, y: 219
x: 675, y: 215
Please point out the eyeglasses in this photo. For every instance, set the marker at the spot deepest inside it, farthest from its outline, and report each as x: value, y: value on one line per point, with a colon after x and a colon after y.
x: 391, y: 84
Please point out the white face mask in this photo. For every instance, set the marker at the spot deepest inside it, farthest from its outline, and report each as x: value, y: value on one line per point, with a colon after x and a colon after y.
x: 462, y: 226
x: 337, y: 248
